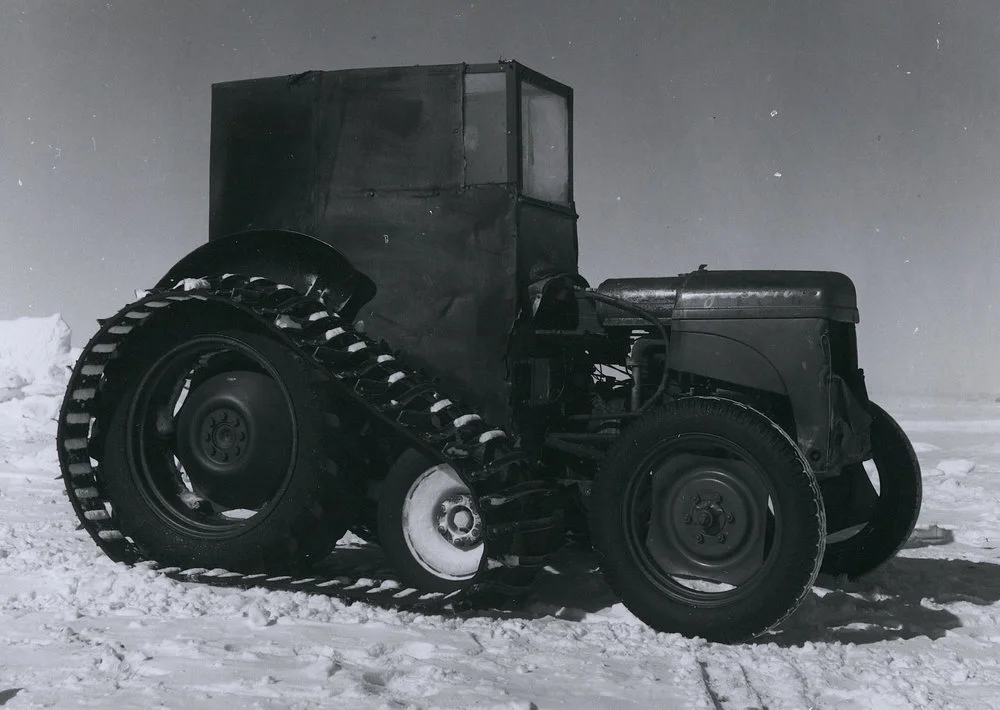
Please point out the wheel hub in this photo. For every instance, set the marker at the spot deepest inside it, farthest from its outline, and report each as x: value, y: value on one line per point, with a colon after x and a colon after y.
x: 224, y: 436
x: 708, y: 519
x: 458, y: 522
x: 442, y: 526
x: 234, y: 439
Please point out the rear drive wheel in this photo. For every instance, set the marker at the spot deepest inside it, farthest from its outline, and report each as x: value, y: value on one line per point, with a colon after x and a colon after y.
x: 707, y: 520
x: 213, y: 446
x: 892, y: 510
x: 429, y: 525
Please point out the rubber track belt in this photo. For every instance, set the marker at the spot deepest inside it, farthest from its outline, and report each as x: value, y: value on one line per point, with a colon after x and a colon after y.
x: 522, y: 514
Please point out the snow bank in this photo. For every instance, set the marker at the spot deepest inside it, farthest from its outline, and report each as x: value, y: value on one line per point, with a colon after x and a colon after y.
x: 35, y: 357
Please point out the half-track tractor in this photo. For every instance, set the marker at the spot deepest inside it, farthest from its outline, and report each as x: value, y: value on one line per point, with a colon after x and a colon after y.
x: 386, y: 333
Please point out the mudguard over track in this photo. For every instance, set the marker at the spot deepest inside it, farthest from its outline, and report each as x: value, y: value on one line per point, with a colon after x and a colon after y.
x: 522, y: 512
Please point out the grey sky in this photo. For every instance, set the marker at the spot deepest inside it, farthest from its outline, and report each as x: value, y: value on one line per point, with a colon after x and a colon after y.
x: 856, y: 136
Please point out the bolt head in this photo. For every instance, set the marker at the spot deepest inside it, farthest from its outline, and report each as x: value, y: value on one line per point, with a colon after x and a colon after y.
x: 700, y: 538
x: 721, y: 537
x: 730, y: 518
x: 687, y: 519
x: 717, y: 498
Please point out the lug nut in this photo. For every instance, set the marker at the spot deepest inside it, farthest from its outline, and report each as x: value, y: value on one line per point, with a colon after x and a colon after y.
x: 700, y: 538
x: 730, y: 518
x: 687, y: 519
x: 717, y: 498
x: 721, y: 537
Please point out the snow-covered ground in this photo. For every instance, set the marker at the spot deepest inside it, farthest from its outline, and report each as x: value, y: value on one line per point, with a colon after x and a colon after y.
x: 78, y: 630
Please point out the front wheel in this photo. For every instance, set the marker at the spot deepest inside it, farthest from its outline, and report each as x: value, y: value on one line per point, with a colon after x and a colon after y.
x: 892, y: 510
x: 707, y: 520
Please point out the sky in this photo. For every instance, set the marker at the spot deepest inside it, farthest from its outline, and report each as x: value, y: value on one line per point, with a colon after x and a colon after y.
x: 857, y: 136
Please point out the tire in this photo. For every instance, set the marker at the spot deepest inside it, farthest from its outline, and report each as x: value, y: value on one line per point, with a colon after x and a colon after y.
x: 230, y: 469
x: 897, y: 506
x: 693, y: 569
x: 411, y: 507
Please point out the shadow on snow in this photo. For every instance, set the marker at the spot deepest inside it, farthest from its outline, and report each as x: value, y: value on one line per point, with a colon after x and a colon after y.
x: 8, y: 694
x: 903, y: 599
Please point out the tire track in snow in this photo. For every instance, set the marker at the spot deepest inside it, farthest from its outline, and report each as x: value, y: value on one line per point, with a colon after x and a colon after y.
x: 707, y: 683
x: 741, y: 679
x: 728, y: 685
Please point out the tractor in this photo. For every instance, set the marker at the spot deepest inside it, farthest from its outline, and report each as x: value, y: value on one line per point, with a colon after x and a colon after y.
x: 386, y: 333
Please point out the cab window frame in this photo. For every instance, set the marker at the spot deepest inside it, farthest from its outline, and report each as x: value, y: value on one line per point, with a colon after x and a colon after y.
x: 516, y: 74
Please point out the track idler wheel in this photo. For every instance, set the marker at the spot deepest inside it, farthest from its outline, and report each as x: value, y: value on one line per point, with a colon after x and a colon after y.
x: 429, y: 525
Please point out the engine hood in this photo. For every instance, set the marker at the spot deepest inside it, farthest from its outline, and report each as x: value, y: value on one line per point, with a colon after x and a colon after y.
x: 733, y: 294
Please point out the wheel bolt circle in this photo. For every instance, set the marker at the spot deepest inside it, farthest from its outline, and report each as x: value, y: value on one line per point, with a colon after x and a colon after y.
x: 457, y: 521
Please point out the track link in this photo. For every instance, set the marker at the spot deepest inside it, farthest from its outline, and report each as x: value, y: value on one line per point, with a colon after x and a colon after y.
x: 523, y: 512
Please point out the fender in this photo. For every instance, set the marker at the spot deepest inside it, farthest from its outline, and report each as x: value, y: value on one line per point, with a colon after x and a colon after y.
x: 787, y: 356
x: 723, y: 358
x: 307, y: 264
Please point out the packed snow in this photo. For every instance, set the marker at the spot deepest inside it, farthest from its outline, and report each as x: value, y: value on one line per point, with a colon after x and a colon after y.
x: 79, y: 630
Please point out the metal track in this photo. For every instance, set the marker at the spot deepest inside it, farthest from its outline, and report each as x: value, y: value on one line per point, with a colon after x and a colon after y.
x: 522, y: 513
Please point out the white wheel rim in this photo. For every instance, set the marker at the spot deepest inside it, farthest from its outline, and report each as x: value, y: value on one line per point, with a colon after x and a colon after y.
x: 421, y: 516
